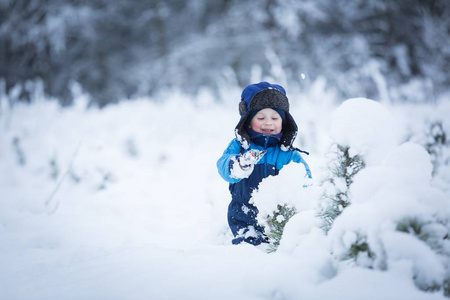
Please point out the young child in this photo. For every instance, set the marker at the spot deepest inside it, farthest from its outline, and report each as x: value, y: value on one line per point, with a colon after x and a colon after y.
x: 263, y: 145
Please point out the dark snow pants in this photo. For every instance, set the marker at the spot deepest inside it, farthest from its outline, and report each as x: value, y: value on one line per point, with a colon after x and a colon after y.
x: 241, y: 213
x: 243, y: 224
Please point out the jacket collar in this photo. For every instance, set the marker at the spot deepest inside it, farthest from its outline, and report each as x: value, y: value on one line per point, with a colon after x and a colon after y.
x: 264, y: 140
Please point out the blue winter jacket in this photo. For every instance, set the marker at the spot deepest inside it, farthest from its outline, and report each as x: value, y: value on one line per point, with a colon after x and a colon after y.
x: 271, y: 163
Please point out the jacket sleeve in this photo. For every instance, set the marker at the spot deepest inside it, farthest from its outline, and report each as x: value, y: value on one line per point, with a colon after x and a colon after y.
x: 225, y: 162
x: 296, y: 157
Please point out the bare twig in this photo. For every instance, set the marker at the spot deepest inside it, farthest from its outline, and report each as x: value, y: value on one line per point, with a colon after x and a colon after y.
x: 60, y: 182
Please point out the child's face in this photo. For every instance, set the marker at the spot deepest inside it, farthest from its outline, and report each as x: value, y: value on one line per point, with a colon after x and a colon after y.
x: 267, y: 121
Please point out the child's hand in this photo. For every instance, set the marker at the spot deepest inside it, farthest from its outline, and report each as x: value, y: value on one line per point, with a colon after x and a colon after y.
x: 243, y: 164
x: 250, y: 158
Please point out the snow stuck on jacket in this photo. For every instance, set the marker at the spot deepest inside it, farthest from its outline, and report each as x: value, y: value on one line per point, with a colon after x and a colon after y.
x: 109, y: 204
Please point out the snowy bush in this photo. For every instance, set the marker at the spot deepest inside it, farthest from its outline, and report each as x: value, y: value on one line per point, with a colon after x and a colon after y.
x: 363, y: 131
x: 397, y: 216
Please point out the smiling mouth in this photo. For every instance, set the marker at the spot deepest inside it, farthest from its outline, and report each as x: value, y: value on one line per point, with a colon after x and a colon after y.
x: 267, y: 130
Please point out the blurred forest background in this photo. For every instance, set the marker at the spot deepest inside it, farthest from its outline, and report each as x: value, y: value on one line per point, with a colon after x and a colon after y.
x: 116, y: 50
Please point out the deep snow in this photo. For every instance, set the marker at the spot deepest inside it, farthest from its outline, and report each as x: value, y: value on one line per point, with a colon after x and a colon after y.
x: 126, y: 203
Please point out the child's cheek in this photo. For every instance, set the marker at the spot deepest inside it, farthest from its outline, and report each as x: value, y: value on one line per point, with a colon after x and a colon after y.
x: 257, y: 124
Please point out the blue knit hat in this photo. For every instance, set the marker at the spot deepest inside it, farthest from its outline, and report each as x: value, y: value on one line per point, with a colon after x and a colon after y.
x: 263, y: 95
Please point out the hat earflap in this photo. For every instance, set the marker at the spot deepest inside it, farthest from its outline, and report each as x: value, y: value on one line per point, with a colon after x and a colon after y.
x: 242, y: 107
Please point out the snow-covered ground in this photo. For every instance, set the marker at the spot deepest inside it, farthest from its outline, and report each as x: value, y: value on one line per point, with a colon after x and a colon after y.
x: 126, y: 203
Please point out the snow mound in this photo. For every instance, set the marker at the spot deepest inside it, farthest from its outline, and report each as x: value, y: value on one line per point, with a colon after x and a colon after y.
x: 366, y: 126
x: 285, y: 188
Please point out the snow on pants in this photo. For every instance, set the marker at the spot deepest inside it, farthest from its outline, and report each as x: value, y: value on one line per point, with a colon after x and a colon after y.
x: 243, y: 223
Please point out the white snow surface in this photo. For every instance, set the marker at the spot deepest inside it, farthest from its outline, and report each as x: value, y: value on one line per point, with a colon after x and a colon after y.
x: 367, y: 126
x: 126, y: 203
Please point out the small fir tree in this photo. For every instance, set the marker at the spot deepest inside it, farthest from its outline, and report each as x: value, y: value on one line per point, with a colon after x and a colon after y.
x: 343, y: 167
x: 360, y: 252
x: 276, y: 223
